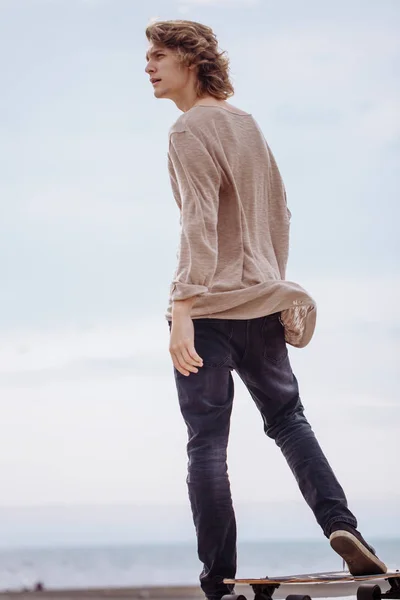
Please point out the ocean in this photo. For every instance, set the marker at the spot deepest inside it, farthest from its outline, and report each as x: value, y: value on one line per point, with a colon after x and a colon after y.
x: 166, y: 564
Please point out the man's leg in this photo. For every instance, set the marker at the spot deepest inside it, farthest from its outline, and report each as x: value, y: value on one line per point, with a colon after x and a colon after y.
x: 266, y: 372
x: 205, y: 400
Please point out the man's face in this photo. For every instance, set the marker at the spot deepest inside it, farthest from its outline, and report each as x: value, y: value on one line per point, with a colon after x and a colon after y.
x: 169, y: 77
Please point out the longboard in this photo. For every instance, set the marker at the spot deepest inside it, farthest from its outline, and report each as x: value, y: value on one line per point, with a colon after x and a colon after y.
x: 321, y: 585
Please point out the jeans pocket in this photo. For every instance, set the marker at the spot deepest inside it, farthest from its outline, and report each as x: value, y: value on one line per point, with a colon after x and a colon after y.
x: 212, y: 341
x: 273, y: 335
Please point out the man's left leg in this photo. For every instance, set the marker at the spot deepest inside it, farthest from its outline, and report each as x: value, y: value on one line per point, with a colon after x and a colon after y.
x: 267, y: 374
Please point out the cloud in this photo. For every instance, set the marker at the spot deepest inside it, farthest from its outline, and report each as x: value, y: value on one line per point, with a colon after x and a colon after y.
x: 184, y: 6
x: 85, y: 236
x: 350, y: 84
x: 79, y: 370
x: 381, y: 122
x: 82, y: 406
x: 358, y: 319
x: 41, y: 350
x: 226, y: 3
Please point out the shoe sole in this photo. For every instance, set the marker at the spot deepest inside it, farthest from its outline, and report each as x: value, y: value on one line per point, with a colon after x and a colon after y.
x: 359, y: 559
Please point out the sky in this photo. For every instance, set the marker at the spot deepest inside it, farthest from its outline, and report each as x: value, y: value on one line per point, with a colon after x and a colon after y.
x: 92, y: 443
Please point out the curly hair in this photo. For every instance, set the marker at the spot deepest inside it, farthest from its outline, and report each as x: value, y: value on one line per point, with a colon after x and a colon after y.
x: 196, y: 44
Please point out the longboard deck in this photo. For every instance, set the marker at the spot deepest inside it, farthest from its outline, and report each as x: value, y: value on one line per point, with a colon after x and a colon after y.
x: 323, y: 578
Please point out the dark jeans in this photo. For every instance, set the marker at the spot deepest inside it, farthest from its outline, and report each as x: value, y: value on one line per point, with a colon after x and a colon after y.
x: 256, y: 350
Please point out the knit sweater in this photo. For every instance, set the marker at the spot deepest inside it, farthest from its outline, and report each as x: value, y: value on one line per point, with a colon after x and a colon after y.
x: 234, y: 219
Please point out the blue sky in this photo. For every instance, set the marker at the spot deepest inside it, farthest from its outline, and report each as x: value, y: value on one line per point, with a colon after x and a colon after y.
x: 89, y: 233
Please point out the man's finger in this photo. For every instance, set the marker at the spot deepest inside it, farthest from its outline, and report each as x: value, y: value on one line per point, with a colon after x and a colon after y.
x: 188, y: 360
x: 189, y: 355
x: 179, y: 369
x: 193, y: 354
x: 187, y: 366
x: 183, y: 363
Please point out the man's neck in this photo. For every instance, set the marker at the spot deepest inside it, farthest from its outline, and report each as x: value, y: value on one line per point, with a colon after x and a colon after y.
x: 185, y: 105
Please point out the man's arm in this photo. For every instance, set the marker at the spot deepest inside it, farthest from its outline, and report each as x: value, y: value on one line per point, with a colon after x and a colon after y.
x: 195, y: 180
x: 183, y: 307
x: 280, y: 223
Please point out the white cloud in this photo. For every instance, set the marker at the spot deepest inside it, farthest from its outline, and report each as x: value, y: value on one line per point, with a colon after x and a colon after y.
x: 324, y: 53
x: 184, y: 6
x: 381, y: 122
x: 344, y: 305
x: 346, y: 72
x: 26, y: 350
x: 227, y: 3
x: 87, y: 413
x: 81, y: 407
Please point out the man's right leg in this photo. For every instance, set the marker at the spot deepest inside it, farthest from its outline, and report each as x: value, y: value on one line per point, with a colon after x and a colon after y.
x: 205, y: 400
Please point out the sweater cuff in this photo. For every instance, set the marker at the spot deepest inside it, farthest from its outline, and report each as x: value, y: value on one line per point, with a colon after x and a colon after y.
x: 183, y: 291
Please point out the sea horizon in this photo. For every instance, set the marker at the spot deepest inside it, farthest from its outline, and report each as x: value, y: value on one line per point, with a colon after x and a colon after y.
x: 165, y: 564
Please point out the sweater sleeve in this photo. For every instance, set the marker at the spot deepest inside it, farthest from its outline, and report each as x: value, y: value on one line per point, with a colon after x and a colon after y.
x: 195, y: 180
x: 280, y: 217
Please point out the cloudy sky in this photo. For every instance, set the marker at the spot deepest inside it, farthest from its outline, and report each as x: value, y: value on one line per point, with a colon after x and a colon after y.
x: 88, y: 240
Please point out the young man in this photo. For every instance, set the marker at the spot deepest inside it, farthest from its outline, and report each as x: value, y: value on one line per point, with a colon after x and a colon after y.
x: 230, y: 305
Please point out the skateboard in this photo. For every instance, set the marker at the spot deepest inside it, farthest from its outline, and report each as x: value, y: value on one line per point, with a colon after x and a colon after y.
x: 322, y: 585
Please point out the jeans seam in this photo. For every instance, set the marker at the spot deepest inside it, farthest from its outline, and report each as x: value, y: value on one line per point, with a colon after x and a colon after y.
x: 246, y: 345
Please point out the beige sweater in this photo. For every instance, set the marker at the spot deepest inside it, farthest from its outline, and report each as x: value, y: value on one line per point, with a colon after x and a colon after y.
x: 234, y: 223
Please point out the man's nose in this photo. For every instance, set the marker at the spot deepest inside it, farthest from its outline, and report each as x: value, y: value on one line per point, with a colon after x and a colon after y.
x: 149, y: 69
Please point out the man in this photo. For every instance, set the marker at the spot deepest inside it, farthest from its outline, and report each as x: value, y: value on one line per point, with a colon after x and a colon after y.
x: 230, y: 305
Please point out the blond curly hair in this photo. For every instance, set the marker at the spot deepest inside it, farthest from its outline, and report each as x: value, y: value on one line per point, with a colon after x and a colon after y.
x: 196, y: 44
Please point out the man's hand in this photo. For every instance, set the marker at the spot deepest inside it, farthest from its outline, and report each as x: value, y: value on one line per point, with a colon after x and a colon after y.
x: 181, y: 345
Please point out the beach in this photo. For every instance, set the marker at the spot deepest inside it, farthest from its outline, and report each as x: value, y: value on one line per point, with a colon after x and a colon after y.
x: 134, y: 593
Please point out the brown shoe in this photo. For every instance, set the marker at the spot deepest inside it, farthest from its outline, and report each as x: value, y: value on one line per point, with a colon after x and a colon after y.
x: 351, y: 546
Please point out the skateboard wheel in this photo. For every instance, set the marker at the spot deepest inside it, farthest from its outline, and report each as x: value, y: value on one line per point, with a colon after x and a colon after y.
x: 233, y: 597
x: 369, y: 591
x: 297, y: 597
